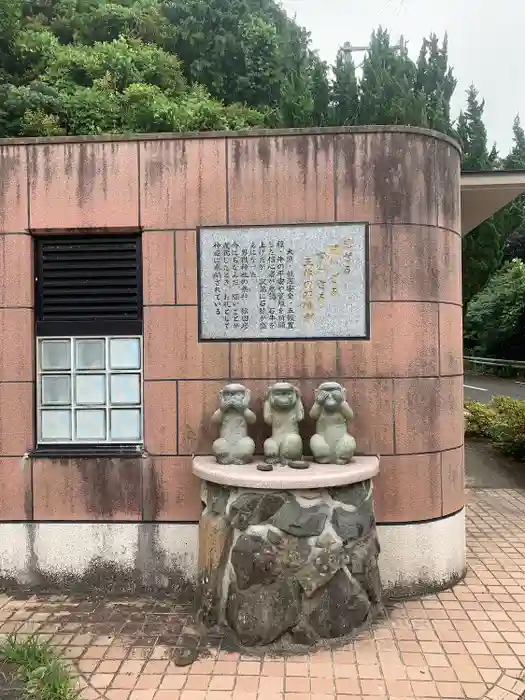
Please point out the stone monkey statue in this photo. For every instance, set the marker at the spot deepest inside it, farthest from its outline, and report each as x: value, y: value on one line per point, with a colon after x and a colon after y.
x: 331, y: 442
x: 283, y: 410
x: 234, y: 445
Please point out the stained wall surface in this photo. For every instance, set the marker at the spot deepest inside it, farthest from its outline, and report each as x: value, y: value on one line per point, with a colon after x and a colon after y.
x: 405, y: 384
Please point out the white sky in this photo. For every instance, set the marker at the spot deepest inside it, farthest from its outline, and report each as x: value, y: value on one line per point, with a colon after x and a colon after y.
x: 486, y: 44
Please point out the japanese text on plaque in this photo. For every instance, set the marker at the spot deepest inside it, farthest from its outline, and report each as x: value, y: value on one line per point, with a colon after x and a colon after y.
x: 281, y: 281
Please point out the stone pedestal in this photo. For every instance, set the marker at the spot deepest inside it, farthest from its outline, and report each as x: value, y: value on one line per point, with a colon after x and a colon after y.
x: 288, y: 552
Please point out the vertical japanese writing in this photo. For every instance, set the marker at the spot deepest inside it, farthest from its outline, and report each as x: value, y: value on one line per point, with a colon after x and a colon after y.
x: 263, y: 286
x: 307, y: 303
x: 217, y: 278
x: 272, y: 288
x: 320, y: 284
x: 333, y: 253
x: 290, y: 289
x: 252, y: 260
x: 244, y: 274
x: 348, y: 245
x: 235, y: 256
x: 226, y: 277
x: 281, y: 285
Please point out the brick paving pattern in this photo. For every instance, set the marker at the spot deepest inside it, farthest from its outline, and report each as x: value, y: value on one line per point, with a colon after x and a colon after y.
x: 468, y: 642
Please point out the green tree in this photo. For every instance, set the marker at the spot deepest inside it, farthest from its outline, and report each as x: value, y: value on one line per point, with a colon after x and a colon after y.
x: 515, y: 212
x: 23, y: 108
x: 472, y: 134
x: 10, y: 22
x: 121, y: 63
x: 246, y: 51
x: 516, y: 158
x: 482, y: 247
x: 103, y: 87
x: 494, y: 324
x: 345, y: 91
x: 436, y: 82
x: 320, y: 87
x: 387, y: 90
x: 247, y: 61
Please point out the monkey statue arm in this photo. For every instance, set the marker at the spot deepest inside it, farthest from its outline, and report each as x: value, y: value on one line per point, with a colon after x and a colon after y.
x: 217, y: 416
x: 250, y: 416
x: 347, y: 411
x: 315, y: 411
x: 267, y: 412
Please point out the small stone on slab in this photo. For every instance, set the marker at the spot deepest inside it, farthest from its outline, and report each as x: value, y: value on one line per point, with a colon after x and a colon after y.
x: 298, y: 465
x: 263, y: 467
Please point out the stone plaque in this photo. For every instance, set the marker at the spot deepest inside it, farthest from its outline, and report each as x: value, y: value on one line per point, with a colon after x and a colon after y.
x: 283, y: 282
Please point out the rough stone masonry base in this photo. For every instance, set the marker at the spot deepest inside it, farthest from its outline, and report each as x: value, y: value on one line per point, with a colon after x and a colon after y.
x: 276, y: 562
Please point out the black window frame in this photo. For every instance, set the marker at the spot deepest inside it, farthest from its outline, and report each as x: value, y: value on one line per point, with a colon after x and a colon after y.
x: 104, y: 327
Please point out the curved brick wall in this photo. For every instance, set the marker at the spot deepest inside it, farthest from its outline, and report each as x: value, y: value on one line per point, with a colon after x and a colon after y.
x: 405, y: 384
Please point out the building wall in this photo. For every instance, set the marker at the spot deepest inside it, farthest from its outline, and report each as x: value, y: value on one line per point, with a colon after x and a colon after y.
x: 405, y: 384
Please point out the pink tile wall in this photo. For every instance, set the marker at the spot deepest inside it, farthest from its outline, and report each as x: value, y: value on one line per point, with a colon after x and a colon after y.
x: 405, y: 383
x: 83, y: 185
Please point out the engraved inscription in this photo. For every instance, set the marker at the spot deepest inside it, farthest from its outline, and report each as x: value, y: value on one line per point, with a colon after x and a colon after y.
x: 283, y: 282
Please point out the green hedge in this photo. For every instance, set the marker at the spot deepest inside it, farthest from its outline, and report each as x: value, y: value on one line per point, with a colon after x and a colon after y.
x: 502, y: 421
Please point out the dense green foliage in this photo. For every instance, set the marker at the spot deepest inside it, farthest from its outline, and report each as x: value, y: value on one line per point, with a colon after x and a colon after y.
x: 93, y: 66
x: 495, y: 319
x: 494, y: 271
x: 482, y: 247
x: 514, y: 222
x: 502, y: 421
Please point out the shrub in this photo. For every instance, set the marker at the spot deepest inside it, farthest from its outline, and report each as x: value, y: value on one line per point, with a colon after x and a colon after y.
x: 508, y: 430
x: 502, y: 421
x: 480, y: 419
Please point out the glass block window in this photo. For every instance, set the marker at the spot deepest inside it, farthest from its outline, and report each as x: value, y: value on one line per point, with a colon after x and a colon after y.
x: 90, y: 390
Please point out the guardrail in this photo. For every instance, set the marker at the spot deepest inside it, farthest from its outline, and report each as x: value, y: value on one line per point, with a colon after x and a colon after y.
x: 491, y: 362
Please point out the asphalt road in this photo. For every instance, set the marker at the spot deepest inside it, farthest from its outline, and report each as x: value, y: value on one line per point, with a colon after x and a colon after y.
x: 484, y: 388
x: 487, y: 468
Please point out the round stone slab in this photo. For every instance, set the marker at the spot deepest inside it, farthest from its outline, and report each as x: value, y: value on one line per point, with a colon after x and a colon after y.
x: 315, y: 477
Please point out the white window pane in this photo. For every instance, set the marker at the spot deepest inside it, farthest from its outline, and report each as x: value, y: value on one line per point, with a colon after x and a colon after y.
x: 55, y: 354
x: 55, y: 426
x: 125, y: 425
x: 90, y: 425
x: 90, y: 353
x: 90, y: 388
x: 125, y: 388
x: 124, y: 353
x: 56, y: 389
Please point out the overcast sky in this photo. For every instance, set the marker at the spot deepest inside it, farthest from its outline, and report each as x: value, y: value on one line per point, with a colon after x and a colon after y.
x: 486, y: 44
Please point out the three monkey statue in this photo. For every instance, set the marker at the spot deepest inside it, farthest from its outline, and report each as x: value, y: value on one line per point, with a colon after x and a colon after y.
x: 283, y: 410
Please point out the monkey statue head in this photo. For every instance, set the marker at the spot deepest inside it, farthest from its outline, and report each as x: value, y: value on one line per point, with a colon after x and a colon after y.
x: 330, y: 395
x: 234, y: 396
x: 283, y: 396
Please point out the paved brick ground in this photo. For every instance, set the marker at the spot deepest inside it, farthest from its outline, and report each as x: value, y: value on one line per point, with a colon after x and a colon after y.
x: 465, y: 643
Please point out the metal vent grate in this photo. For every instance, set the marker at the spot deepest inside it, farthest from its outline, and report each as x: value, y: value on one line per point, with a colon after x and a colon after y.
x: 88, y: 284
